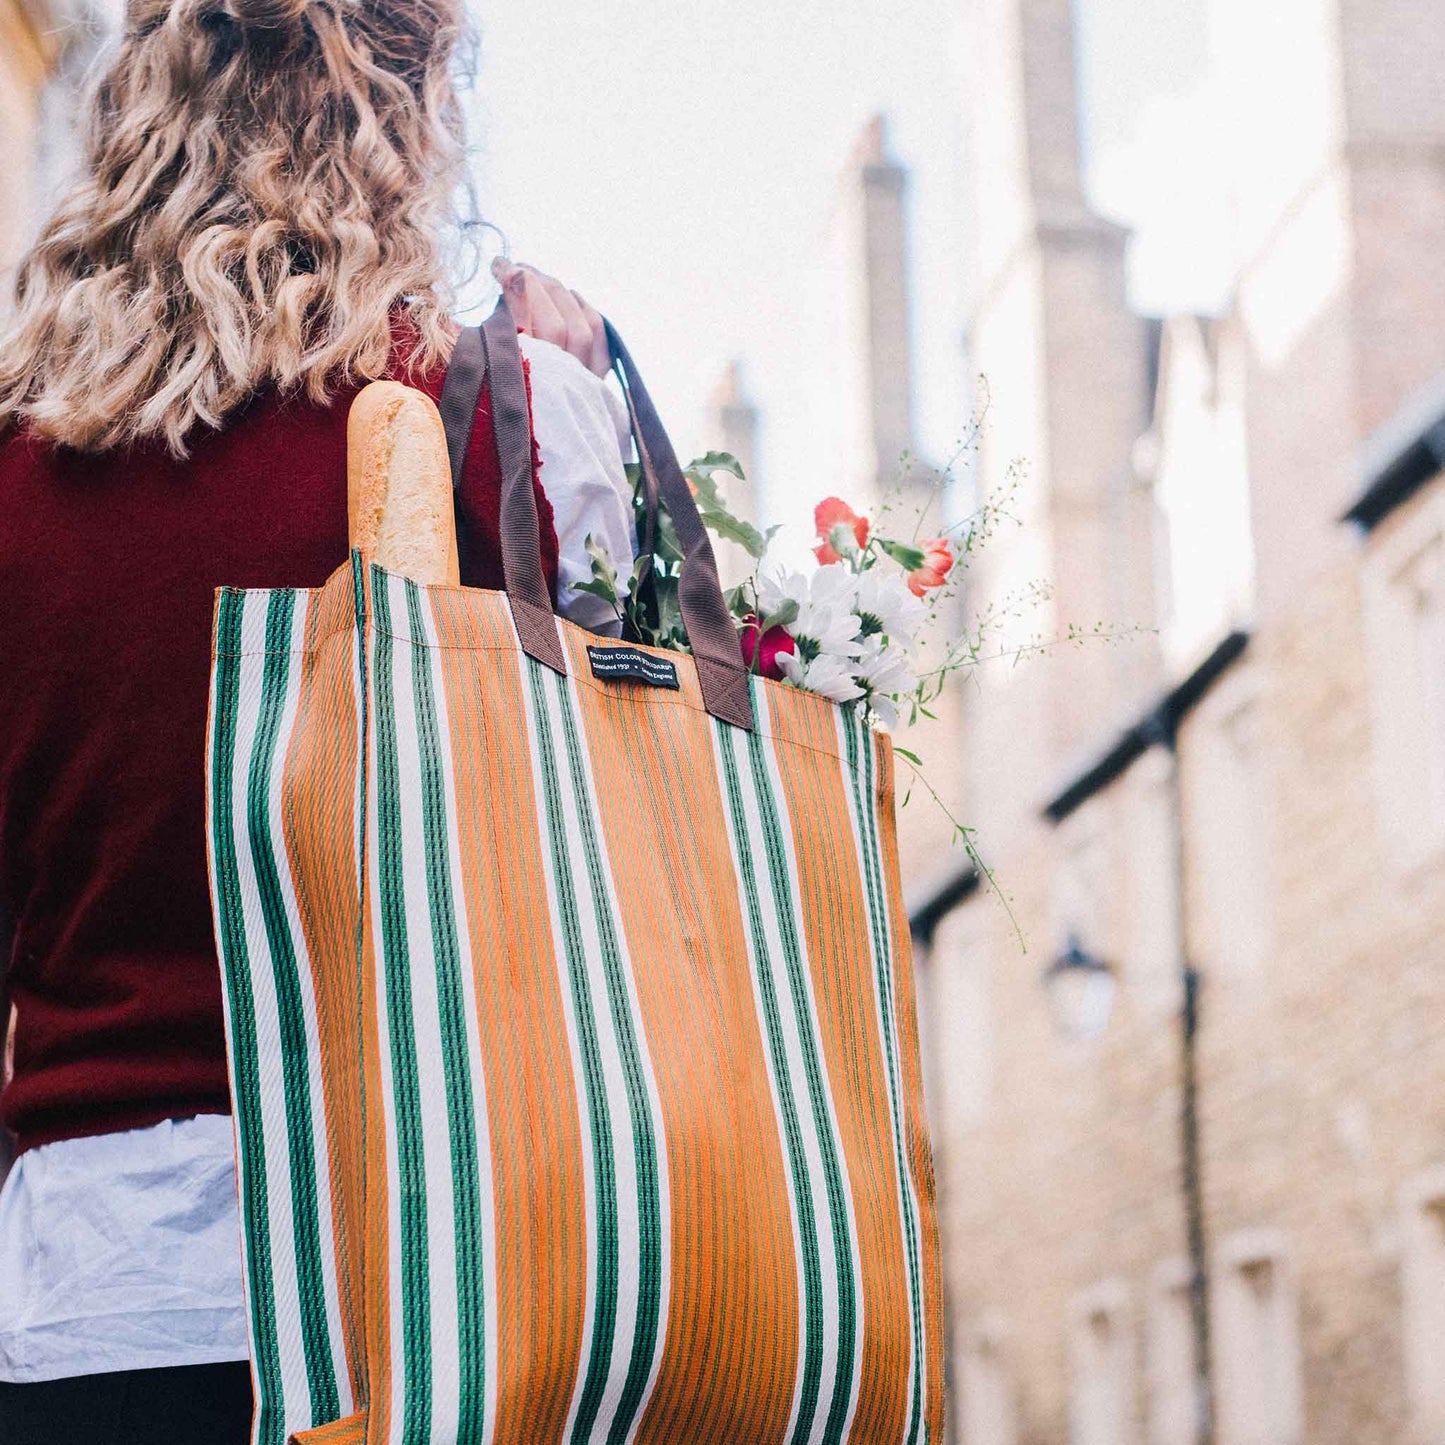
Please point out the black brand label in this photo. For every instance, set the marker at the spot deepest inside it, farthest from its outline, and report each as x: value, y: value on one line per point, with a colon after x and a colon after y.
x: 627, y: 664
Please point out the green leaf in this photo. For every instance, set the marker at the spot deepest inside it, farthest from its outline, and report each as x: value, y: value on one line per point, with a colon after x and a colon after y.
x: 741, y: 600
x: 733, y: 529
x: 908, y: 557
x: 604, y: 575
x: 597, y: 589
x: 717, y: 517
x: 669, y: 551
x: 718, y: 462
x: 784, y: 616
x: 908, y: 757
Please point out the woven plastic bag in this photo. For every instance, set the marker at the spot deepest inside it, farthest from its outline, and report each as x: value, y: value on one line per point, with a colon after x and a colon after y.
x: 569, y: 1012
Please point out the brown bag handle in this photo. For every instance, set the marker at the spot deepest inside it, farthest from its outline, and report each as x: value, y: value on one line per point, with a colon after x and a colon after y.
x: 493, y: 354
x: 710, y: 628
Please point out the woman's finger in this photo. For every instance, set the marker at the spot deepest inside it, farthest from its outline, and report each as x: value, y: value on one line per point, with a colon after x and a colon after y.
x: 550, y: 311
x: 546, y: 322
x: 599, y: 357
x: 513, y: 281
x: 579, y: 333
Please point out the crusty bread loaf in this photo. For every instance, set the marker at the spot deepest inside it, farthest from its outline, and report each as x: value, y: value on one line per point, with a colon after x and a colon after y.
x: 399, y: 484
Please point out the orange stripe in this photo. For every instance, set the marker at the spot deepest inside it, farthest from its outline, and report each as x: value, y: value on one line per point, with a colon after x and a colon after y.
x: 317, y: 809
x: 919, y: 1150
x: 350, y: 1431
x: 536, y: 1134
x: 730, y: 1351
x: 375, y: 1183
x: 840, y: 953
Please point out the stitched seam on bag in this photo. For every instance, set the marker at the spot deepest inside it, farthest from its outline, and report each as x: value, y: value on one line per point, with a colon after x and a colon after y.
x: 348, y: 631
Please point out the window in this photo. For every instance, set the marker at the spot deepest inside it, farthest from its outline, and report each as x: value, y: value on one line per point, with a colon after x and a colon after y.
x: 1404, y: 598
x: 1171, y: 1356
x: 1259, y: 1387
x: 1229, y: 819
x: 988, y: 1413
x: 1101, y: 1400
x: 1423, y: 1288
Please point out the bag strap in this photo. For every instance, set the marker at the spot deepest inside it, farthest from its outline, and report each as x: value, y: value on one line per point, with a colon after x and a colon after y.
x: 710, y: 627
x: 461, y: 391
x: 491, y: 354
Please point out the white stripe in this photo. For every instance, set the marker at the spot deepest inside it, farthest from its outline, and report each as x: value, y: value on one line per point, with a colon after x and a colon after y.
x: 355, y: 1232
x: 834, y: 1253
x: 588, y: 1286
x: 907, y: 1197
x: 243, y: 1173
x: 320, y: 1147
x: 624, y: 1144
x: 617, y: 1091
x: 392, y: 1369
x: 471, y: 1005
x: 850, y: 1248
x: 427, y: 1033
x: 739, y: 843
x: 295, y: 1405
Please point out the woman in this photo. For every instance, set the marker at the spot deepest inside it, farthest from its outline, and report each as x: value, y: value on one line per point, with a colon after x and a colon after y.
x: 258, y: 231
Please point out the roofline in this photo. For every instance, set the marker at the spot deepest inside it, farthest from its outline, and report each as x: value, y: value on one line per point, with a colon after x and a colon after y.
x: 1401, y: 457
x: 1159, y: 724
x: 929, y: 910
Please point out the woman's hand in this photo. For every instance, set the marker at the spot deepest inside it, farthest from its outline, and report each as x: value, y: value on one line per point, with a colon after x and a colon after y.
x: 546, y: 309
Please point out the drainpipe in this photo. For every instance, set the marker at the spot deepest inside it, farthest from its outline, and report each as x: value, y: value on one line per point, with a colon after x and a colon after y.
x: 1163, y: 728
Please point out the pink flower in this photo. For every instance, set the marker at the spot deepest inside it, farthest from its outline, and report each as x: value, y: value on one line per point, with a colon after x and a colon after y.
x: 835, y: 521
x: 761, y: 654
x: 937, y: 564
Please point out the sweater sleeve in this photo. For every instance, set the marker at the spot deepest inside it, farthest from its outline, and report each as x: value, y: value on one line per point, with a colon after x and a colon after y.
x: 579, y: 427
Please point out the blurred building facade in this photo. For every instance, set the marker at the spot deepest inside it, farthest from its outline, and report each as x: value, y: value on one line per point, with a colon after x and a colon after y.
x: 27, y: 59
x: 47, y: 51
x: 1250, y: 802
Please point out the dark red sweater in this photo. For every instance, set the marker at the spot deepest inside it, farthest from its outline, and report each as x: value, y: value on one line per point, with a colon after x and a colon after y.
x: 107, y: 569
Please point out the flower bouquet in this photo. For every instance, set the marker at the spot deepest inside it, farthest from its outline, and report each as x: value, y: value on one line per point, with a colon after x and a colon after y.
x: 850, y: 629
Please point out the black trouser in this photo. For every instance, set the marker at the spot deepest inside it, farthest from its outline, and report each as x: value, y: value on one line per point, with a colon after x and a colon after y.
x: 188, y: 1405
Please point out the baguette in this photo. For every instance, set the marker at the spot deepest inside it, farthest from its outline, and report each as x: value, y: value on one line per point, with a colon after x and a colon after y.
x: 399, y: 483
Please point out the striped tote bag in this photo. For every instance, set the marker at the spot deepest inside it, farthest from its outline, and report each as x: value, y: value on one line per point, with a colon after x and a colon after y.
x: 569, y: 1011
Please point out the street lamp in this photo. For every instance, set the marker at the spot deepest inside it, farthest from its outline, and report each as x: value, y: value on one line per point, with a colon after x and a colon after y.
x: 1081, y: 991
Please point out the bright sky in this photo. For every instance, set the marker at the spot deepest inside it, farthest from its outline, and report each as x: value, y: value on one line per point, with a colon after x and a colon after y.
x: 676, y: 163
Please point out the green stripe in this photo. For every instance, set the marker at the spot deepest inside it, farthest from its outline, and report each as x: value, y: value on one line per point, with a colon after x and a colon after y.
x: 604, y: 1319
x: 411, y: 1165
x: 353, y: 1232
x: 456, y: 1055
x: 792, y: 1129
x: 644, y: 1131
x: 856, y: 731
x: 779, y: 867
x: 270, y: 1428
x: 296, y: 1062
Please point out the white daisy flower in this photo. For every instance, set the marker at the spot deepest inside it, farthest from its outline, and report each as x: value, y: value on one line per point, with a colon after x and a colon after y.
x: 886, y: 605
x: 826, y: 623
x: 884, y: 670
x: 826, y: 674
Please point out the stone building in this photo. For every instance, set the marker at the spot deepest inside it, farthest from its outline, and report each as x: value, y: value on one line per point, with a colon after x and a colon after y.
x: 1245, y: 810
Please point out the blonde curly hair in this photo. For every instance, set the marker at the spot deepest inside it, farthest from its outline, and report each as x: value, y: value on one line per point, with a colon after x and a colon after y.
x: 266, y: 184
